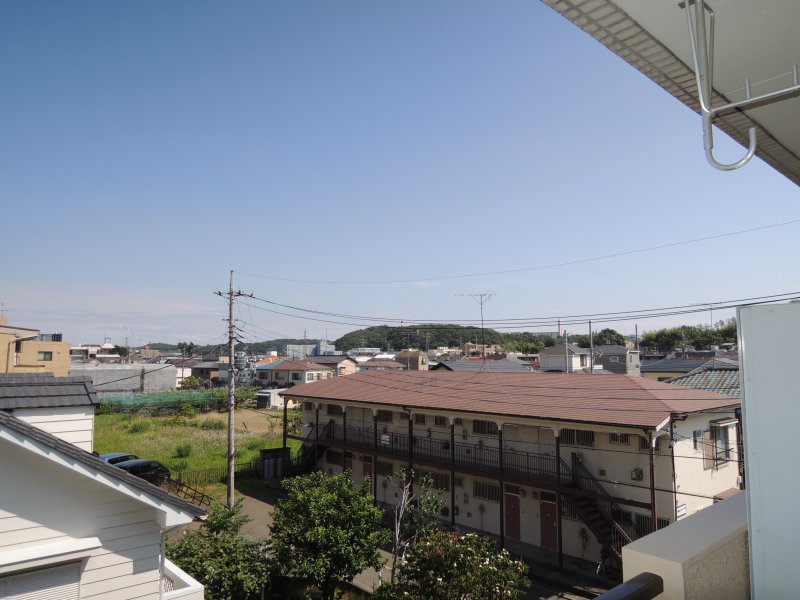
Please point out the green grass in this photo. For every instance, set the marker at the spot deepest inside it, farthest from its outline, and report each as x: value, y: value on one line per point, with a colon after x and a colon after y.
x: 166, y: 439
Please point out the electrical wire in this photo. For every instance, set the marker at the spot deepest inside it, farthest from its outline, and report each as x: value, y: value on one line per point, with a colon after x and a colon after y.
x: 530, y: 268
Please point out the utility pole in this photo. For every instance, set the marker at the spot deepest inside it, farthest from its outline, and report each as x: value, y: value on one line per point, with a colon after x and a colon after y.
x: 591, y: 348
x: 231, y: 295
x: 482, y: 298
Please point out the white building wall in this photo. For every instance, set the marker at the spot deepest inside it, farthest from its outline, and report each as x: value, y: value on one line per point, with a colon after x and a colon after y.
x: 74, y: 424
x: 43, y: 503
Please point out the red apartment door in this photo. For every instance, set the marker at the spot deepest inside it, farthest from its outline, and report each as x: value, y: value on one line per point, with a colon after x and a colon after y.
x: 512, y: 515
x: 549, y: 525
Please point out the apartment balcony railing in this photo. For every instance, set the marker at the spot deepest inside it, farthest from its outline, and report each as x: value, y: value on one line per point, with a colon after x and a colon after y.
x: 478, y: 457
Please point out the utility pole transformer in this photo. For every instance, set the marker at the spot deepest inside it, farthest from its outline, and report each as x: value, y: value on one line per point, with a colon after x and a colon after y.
x: 231, y: 295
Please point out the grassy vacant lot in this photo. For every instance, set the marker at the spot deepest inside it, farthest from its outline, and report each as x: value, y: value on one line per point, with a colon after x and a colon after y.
x: 189, y: 442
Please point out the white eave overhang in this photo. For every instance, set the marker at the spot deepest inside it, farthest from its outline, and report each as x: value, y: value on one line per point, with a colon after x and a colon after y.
x: 753, y: 40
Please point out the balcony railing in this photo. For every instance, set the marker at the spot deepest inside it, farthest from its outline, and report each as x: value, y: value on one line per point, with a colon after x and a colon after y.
x: 478, y: 457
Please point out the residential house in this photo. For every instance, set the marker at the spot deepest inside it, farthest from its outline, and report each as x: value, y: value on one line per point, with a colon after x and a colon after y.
x: 62, y: 406
x: 566, y: 462
x: 74, y: 526
x: 381, y: 365
x: 668, y: 368
x: 25, y: 350
x: 287, y: 373
x: 617, y: 359
x: 719, y: 375
x: 339, y: 363
x: 413, y: 360
x: 556, y: 358
x: 210, y: 371
x: 183, y: 368
x: 473, y: 349
x: 104, y: 353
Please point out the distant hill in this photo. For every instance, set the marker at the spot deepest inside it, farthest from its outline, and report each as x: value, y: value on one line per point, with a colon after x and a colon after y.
x: 253, y: 348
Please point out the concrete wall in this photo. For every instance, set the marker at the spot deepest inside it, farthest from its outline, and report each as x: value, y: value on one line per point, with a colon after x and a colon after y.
x: 128, y: 378
x: 703, y: 556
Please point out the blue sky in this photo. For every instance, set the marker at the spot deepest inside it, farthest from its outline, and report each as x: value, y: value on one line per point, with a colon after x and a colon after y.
x: 149, y: 148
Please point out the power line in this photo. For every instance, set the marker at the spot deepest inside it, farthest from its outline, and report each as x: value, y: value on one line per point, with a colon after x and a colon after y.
x: 531, y: 268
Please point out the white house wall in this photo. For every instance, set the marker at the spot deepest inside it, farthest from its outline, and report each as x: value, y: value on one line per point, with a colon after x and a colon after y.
x: 699, y: 483
x: 42, y: 503
x: 74, y: 424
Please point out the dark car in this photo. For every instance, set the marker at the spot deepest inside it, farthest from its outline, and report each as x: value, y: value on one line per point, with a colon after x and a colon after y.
x: 149, y: 470
x: 113, y: 458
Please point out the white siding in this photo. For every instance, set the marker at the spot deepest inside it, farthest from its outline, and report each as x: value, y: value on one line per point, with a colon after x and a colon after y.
x: 74, y: 424
x: 44, y: 503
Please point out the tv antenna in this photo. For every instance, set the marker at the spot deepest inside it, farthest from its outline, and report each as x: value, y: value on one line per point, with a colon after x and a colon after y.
x: 481, y: 298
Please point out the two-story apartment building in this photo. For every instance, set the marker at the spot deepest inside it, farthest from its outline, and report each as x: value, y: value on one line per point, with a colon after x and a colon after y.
x: 568, y: 462
x: 26, y: 350
x: 617, y: 359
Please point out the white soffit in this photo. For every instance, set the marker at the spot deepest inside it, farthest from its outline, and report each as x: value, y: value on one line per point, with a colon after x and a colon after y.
x: 758, y: 40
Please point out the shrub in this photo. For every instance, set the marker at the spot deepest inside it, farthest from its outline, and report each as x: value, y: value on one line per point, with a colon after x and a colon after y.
x: 183, y: 450
x: 105, y: 408
x: 187, y: 410
x: 139, y: 426
x: 213, y: 425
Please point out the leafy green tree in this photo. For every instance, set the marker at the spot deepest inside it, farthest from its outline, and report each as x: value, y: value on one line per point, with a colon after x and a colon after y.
x: 452, y: 566
x: 120, y: 351
x: 327, y: 530
x: 608, y: 336
x: 227, y: 563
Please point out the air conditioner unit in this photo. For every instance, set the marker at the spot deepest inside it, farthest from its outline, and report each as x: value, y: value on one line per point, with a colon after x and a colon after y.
x: 637, y: 475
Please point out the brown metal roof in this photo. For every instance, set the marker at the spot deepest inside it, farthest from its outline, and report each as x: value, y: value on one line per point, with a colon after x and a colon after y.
x: 299, y: 365
x: 618, y: 400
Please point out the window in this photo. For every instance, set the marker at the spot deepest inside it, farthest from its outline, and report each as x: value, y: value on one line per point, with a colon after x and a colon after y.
x: 458, y: 421
x: 334, y: 410
x: 419, y: 419
x: 440, y: 421
x: 484, y: 427
x: 577, y: 437
x: 308, y: 406
x: 697, y: 439
x: 459, y: 481
x: 717, y: 448
x: 584, y: 360
x: 644, y: 444
x: 486, y: 491
x: 334, y: 457
x: 385, y: 416
x: 622, y: 439
x: 296, y: 376
x: 309, y: 377
x: 44, y: 356
x: 61, y: 582
x: 613, y: 358
x: 386, y: 469
x: 568, y: 511
x: 440, y: 481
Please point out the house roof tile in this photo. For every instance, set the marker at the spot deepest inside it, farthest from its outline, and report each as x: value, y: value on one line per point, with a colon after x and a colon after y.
x: 614, y: 400
x: 45, y: 390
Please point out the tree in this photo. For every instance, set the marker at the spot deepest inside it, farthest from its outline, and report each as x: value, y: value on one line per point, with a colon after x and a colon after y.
x: 187, y: 348
x: 414, y: 513
x: 608, y: 336
x: 327, y: 530
x: 228, y: 564
x: 452, y: 566
x: 121, y: 351
x: 190, y: 383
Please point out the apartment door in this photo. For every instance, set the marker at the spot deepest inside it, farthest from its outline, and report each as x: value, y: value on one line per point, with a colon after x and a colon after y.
x: 512, y: 512
x: 549, y: 522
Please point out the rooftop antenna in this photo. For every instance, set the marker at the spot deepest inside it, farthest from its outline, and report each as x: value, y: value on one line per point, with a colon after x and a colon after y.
x: 482, y: 298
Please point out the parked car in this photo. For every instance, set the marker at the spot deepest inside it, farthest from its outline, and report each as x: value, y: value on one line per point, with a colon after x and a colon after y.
x: 113, y: 458
x: 149, y: 470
